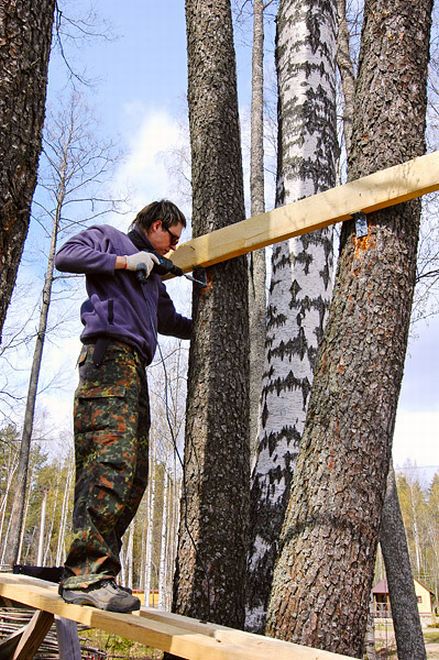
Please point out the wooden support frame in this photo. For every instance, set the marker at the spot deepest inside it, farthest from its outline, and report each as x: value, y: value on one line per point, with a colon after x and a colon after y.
x: 24, y: 643
x: 177, y: 634
x: 370, y: 193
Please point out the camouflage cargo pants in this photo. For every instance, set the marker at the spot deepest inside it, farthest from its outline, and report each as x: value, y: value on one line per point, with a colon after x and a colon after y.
x: 111, y: 422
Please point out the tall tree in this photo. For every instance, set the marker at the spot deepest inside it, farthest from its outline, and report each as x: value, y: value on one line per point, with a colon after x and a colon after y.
x: 324, y: 574
x: 257, y: 275
x: 214, y: 505
x: 25, y: 39
x: 75, y: 163
x: 301, y: 275
x: 393, y: 540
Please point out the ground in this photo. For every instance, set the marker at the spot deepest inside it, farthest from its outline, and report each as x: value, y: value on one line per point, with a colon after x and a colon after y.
x: 386, y: 646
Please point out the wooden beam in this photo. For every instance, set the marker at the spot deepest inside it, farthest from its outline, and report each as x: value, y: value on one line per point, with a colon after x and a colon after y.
x: 269, y: 646
x: 377, y: 191
x: 181, y: 636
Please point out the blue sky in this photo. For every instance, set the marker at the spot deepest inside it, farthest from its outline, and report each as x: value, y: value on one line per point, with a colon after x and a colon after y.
x: 139, y: 99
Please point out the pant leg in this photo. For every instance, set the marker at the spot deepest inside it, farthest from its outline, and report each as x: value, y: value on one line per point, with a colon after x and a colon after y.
x: 140, y: 480
x: 107, y: 412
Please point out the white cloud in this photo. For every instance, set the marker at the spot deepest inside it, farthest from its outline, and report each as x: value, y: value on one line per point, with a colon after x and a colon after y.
x: 143, y: 173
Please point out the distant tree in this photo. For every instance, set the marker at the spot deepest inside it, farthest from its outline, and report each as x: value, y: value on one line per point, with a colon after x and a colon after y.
x: 209, y: 580
x: 330, y: 535
x: 74, y: 172
x: 25, y: 36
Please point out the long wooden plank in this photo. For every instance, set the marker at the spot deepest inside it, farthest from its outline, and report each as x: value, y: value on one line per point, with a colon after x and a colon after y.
x: 377, y: 191
x: 229, y: 635
x: 172, y: 635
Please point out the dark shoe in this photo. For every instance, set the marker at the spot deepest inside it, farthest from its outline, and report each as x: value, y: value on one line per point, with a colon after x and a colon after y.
x: 105, y: 595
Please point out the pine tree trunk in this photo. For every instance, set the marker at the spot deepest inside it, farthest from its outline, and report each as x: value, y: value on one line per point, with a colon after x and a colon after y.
x: 301, y: 281
x: 257, y: 275
x: 25, y: 38
x: 324, y: 574
x: 214, y: 507
x: 405, y: 613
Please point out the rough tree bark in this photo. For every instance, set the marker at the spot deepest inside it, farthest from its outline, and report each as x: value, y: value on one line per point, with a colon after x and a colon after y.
x: 214, y: 506
x: 25, y: 38
x: 393, y: 538
x: 324, y: 574
x: 301, y: 275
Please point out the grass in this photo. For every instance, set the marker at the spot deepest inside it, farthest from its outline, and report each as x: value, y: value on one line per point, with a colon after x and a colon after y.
x: 431, y: 636
x: 118, y: 647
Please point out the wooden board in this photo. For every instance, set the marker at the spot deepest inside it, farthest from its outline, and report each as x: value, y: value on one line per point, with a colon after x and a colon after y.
x: 181, y: 636
x: 377, y: 191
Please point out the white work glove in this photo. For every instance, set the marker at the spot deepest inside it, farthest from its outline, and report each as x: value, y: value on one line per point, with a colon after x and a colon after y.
x: 144, y: 261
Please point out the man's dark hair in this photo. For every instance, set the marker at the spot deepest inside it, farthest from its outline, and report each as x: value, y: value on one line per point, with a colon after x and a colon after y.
x: 163, y: 210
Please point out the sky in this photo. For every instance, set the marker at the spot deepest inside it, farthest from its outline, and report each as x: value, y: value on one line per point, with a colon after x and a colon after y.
x: 138, y: 95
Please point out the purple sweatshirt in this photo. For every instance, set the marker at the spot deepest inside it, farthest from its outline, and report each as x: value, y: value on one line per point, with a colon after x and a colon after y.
x: 118, y: 305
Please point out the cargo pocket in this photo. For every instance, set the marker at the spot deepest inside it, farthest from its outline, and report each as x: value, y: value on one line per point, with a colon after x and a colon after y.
x: 101, y: 409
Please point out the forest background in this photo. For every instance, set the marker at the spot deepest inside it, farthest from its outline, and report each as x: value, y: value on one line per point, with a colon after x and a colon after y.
x: 127, y: 69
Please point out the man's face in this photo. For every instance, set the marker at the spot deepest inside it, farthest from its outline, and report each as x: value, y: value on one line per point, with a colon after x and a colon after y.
x: 162, y: 239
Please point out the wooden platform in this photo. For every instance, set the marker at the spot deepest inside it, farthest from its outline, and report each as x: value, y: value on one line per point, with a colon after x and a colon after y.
x: 179, y: 635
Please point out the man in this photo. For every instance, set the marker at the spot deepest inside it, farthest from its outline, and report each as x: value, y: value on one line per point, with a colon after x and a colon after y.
x: 122, y: 316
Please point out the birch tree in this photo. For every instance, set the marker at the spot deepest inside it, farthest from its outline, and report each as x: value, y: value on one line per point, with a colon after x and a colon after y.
x: 212, y: 541
x: 25, y: 38
x: 301, y: 275
x: 324, y: 574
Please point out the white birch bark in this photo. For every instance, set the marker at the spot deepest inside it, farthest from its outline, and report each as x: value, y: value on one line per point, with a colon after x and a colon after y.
x: 42, y: 530
x: 301, y: 275
x: 129, y: 555
x: 144, y: 513
x: 150, y: 528
x: 163, y: 545
x: 52, y: 521
x: 60, y: 548
x: 122, y: 559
